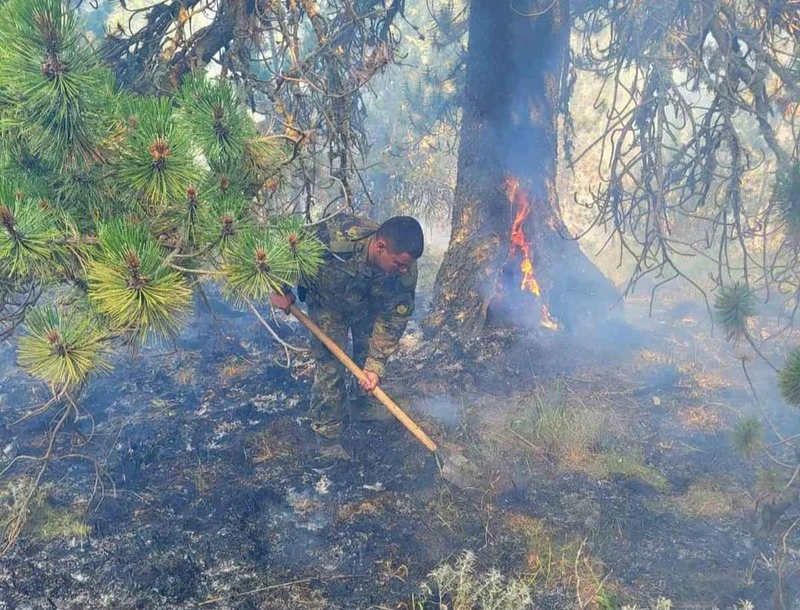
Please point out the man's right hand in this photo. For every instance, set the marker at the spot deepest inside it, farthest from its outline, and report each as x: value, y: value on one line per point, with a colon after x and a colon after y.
x: 282, y: 301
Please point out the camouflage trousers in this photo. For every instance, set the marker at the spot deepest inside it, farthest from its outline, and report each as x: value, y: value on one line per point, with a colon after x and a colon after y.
x: 330, y: 401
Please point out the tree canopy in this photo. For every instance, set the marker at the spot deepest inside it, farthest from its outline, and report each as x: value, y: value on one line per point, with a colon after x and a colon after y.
x: 697, y: 158
x: 114, y: 203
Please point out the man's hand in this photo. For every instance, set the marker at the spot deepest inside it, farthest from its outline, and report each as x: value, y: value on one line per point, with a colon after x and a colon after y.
x: 370, y: 381
x: 282, y: 301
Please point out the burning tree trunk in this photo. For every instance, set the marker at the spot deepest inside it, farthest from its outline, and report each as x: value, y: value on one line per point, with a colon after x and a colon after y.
x: 508, y: 261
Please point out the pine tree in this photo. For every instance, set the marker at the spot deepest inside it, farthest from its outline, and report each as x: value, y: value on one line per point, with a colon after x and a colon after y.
x: 102, y: 191
x: 113, y: 204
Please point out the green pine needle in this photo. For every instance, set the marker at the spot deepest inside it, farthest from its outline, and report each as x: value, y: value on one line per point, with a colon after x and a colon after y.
x: 215, y: 119
x: 786, y: 195
x: 734, y: 306
x: 17, y: 157
x: 183, y: 218
x: 789, y: 379
x: 61, y: 350
x: 747, y: 436
x: 50, y: 73
x: 131, y: 286
x: 86, y: 192
x: 28, y: 237
x: 305, y: 249
x: 223, y: 221
x: 771, y: 485
x: 265, y: 162
x: 257, y: 265
x: 229, y: 181
x: 156, y: 160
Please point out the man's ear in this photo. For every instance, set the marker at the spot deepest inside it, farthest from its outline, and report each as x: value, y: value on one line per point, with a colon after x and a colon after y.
x: 381, y: 245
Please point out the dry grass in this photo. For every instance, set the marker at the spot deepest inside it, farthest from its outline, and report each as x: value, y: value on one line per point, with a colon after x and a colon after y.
x: 712, y: 499
x: 556, y: 561
x: 234, y: 367
x: 538, y: 544
x: 445, y: 511
x: 560, y: 425
x: 570, y: 429
x: 162, y: 407
x: 45, y: 520
x: 303, y: 505
x: 706, y: 380
x: 204, y: 477
x: 265, y: 446
x: 185, y: 376
x: 652, y: 357
x: 703, y: 419
x: 391, y: 569
x: 347, y: 513
x: 627, y: 465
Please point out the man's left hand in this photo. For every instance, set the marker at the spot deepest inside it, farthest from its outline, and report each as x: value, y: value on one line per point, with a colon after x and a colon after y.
x: 282, y: 301
x: 370, y: 381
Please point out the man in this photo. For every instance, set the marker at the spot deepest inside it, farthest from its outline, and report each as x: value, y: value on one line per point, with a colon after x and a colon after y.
x: 365, y: 287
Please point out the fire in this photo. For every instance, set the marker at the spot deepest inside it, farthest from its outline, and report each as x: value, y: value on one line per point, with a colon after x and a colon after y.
x: 519, y: 244
x: 547, y: 321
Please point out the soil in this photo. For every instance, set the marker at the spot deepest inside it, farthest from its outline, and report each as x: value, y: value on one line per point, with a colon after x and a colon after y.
x: 220, y: 499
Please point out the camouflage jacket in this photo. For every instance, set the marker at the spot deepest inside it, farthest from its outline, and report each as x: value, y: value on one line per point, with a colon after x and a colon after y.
x: 347, y: 285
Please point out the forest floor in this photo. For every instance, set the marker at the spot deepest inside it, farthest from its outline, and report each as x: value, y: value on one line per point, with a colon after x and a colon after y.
x: 602, y: 477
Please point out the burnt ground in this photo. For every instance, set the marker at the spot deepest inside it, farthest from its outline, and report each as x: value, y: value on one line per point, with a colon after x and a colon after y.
x: 220, y: 501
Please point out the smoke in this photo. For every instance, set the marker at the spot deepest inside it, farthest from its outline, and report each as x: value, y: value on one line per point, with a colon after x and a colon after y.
x: 444, y: 410
x: 437, y: 235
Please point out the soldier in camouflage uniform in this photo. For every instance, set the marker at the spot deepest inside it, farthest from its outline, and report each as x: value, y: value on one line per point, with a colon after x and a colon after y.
x: 365, y: 288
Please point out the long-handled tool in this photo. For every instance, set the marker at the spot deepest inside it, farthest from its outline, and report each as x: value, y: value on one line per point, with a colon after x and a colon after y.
x: 359, y: 374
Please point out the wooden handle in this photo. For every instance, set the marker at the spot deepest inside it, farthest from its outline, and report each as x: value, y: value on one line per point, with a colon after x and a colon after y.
x: 359, y: 374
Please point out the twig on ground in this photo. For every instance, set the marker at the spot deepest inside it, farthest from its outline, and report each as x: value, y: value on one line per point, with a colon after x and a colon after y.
x: 283, y: 585
x: 578, y: 576
x: 20, y: 518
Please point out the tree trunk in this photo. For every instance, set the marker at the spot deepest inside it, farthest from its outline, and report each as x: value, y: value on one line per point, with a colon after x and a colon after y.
x: 506, y: 204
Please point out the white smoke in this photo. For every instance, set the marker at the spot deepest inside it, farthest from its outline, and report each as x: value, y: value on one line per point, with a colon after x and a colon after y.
x: 443, y: 409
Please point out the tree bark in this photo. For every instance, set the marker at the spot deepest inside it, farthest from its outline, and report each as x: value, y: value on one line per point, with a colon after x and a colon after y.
x: 515, y: 62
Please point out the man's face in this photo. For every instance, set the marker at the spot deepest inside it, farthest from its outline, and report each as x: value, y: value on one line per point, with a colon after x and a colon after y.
x: 391, y: 263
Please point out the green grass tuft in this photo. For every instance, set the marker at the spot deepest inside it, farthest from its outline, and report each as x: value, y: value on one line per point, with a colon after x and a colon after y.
x: 55, y: 523
x: 569, y: 432
x: 630, y: 466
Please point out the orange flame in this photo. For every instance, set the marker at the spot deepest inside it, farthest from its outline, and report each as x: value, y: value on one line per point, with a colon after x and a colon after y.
x: 547, y: 321
x: 519, y: 244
